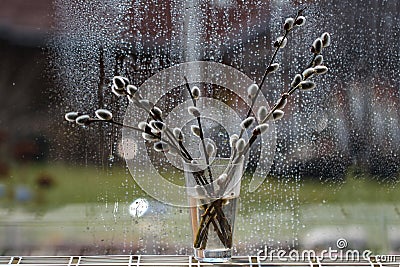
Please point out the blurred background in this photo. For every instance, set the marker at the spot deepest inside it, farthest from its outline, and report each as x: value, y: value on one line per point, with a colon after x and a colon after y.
x: 65, y: 189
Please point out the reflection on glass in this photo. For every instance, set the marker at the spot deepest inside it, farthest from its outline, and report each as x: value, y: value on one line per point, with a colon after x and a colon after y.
x: 138, y: 207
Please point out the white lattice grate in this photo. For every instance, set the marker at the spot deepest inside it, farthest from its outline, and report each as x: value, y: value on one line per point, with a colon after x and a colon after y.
x: 179, y: 261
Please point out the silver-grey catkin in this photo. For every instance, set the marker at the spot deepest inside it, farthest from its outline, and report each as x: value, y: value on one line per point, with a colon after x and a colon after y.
x: 318, y: 60
x: 240, y: 144
x: 273, y: 67
x: 156, y: 112
x: 252, y: 90
x: 194, y: 111
x: 210, y: 149
x: 326, y: 39
x: 321, y: 69
x: 149, y: 137
x: 103, y: 114
x: 260, y: 129
x: 195, y: 92
x: 308, y: 73
x: 300, y: 21
x: 71, y: 116
x: 142, y: 125
x: 262, y: 113
x: 316, y: 46
x: 83, y: 120
x: 118, y: 92
x: 280, y: 42
x: 307, y: 85
x: 247, y: 122
x: 195, y: 130
x: 281, y: 102
x: 157, y: 125
x: 131, y: 89
x: 126, y: 80
x: 119, y: 82
x: 278, y: 114
x: 145, y: 104
x: 222, y: 179
x: 296, y: 80
x: 288, y: 25
x: 161, y: 146
x: 178, y: 134
x: 233, y: 139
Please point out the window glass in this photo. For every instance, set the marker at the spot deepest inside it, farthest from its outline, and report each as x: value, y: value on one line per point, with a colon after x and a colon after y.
x: 333, y: 159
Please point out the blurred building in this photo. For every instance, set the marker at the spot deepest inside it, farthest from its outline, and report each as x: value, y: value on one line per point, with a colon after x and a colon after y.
x: 360, y: 96
x: 25, y: 79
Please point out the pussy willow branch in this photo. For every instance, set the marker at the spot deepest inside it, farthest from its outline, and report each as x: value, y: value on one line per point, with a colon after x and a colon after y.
x: 142, y: 131
x: 252, y: 139
x: 201, y: 133
x: 312, y: 61
x: 215, y: 205
x: 219, y: 215
x: 200, y: 180
x: 272, y: 110
x: 213, y: 213
x: 169, y: 134
x: 267, y: 70
x: 173, y: 140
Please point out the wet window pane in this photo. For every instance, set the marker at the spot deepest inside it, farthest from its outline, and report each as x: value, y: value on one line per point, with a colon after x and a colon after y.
x: 326, y: 176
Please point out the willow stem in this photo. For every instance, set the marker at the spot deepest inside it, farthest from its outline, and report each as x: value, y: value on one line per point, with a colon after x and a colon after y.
x: 253, y: 137
x: 169, y: 134
x: 201, y: 133
x: 253, y: 100
x: 142, y: 131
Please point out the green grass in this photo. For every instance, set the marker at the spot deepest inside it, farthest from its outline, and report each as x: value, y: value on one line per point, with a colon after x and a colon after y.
x: 89, y: 184
x: 359, y: 200
x: 71, y: 184
x: 355, y: 188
